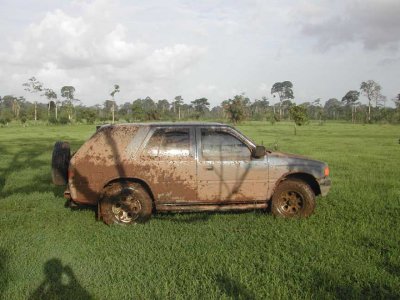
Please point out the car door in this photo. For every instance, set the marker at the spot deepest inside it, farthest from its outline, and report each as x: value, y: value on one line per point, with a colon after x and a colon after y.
x: 226, y: 172
x: 169, y: 164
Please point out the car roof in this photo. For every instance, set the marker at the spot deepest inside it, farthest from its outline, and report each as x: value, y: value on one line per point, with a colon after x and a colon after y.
x: 174, y: 124
x: 169, y: 124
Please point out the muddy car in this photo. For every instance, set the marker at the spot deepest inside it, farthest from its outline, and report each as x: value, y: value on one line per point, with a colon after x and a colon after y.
x: 133, y: 170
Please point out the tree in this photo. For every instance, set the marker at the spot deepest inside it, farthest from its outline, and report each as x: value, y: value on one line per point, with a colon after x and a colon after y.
x: 33, y: 86
x: 137, y: 110
x: 108, y: 108
x: 51, y: 97
x: 145, y: 109
x: 89, y: 114
x: 150, y: 108
x: 319, y: 111
x: 397, y: 101
x: 286, y: 105
x: 298, y: 114
x: 284, y: 90
x: 259, y: 108
x: 177, y: 105
x: 163, y: 106
x: 372, y: 90
x: 116, y: 90
x: 201, y: 105
x: 16, y: 106
x: 217, y: 111
x: 235, y: 108
x: 68, y: 93
x: 125, y: 110
x: 350, y: 99
x: 332, y: 107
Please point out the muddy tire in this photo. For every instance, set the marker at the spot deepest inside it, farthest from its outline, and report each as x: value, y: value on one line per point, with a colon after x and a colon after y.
x: 60, y: 162
x: 125, y: 203
x: 293, y: 198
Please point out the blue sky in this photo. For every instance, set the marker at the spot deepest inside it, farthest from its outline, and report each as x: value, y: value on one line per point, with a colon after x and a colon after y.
x: 212, y: 49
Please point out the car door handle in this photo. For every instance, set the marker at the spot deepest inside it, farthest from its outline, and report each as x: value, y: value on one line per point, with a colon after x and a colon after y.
x: 209, y: 167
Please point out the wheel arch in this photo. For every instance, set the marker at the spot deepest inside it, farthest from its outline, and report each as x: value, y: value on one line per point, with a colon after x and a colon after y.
x: 306, y: 177
x: 142, y: 182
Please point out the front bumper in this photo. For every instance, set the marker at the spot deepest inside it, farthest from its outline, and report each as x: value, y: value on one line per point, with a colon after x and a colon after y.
x: 324, y: 185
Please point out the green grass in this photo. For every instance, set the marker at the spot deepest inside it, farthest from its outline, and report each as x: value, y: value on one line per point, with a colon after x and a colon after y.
x: 349, y: 248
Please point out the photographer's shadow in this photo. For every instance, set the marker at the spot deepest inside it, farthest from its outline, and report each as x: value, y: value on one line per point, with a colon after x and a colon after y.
x: 60, y: 283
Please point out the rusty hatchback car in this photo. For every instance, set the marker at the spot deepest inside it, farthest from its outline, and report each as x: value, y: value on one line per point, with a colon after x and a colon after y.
x: 132, y: 170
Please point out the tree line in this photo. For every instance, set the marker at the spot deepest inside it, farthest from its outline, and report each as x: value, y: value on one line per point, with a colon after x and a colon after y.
x: 64, y: 108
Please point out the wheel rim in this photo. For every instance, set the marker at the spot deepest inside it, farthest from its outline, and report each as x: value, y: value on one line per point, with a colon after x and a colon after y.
x: 290, y: 203
x: 126, y: 210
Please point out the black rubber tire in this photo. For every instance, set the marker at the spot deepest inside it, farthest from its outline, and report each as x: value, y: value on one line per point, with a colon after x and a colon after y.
x: 127, y: 195
x: 60, y: 162
x: 296, y: 191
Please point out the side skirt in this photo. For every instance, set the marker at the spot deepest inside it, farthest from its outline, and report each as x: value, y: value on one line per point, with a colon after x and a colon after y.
x: 209, y: 207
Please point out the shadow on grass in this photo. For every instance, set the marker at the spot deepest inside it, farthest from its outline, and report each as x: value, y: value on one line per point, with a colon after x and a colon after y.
x: 200, y: 217
x: 28, y: 157
x: 2, y: 183
x: 183, y: 217
x: 81, y: 207
x: 3, y: 272
x: 333, y: 285
x: 232, y: 288
x: 385, y: 251
x: 60, y: 283
x: 327, y: 286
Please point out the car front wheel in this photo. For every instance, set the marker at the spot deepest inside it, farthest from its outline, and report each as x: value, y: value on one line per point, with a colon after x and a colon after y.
x: 293, y: 198
x: 125, y: 203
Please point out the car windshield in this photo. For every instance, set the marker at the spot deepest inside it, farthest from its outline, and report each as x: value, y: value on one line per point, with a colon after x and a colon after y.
x: 245, y: 136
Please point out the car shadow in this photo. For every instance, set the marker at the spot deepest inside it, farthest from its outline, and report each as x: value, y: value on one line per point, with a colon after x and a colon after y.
x: 201, y: 217
x: 183, y: 217
x: 60, y: 283
x: 81, y: 207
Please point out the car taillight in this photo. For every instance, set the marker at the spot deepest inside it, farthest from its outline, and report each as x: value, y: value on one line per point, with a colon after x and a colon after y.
x: 326, y: 171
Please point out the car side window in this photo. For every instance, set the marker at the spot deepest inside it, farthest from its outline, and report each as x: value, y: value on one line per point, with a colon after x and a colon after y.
x: 169, y: 143
x: 220, y: 145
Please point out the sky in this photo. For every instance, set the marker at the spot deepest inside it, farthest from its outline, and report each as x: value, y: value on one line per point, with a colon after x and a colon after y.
x: 213, y: 49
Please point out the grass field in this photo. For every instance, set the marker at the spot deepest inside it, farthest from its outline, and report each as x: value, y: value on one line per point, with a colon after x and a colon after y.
x: 349, y: 248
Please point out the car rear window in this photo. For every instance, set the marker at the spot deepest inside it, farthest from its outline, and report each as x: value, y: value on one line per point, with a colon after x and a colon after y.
x: 169, y: 143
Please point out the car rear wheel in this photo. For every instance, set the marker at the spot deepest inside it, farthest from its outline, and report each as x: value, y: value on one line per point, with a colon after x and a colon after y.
x: 60, y: 162
x: 125, y: 203
x: 293, y: 198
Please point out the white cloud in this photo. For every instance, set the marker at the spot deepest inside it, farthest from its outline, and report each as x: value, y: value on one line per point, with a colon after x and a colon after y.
x: 373, y: 23
x: 90, y: 49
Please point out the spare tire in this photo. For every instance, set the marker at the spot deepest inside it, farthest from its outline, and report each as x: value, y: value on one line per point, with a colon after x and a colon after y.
x: 60, y: 162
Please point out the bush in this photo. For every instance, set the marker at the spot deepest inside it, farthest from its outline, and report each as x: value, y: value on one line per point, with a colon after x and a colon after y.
x: 90, y: 117
x: 64, y: 120
x: 53, y: 120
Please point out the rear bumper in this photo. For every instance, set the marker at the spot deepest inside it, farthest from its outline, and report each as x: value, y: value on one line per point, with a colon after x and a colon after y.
x: 324, y: 185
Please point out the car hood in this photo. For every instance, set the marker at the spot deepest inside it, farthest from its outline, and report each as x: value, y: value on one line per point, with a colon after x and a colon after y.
x: 295, y: 157
x: 296, y: 163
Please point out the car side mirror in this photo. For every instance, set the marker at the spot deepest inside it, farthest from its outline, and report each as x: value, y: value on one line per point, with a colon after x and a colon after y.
x: 258, y: 152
